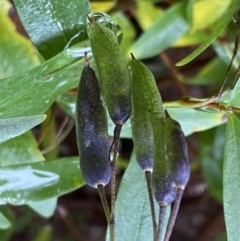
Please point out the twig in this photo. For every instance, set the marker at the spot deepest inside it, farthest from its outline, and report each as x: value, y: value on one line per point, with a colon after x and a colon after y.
x: 148, y: 175
x: 174, y: 214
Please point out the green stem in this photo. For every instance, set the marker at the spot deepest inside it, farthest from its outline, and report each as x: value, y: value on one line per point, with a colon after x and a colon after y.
x: 103, y: 198
x: 174, y: 213
x: 115, y: 143
x: 162, y: 211
x: 233, y: 57
x: 148, y: 175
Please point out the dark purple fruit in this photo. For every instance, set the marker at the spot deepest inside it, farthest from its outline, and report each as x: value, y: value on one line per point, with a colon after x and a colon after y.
x: 92, y: 130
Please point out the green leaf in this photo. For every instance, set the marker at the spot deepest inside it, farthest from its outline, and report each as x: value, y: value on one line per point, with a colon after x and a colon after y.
x: 16, y: 51
x: 54, y: 25
x: 191, y: 120
x: 127, y: 29
x: 133, y: 215
x: 211, y: 155
x: 102, y: 6
x: 191, y: 39
x: 4, y: 222
x: 231, y: 178
x: 234, y: 96
x: 9, y: 225
x: 45, y: 233
x: 68, y: 102
x: 162, y: 34
x: 21, y: 184
x: 45, y: 208
x: 147, y: 13
x: 207, y: 12
x: 225, y: 51
x: 24, y: 149
x: 21, y: 149
x: 216, y: 29
x: 12, y: 127
x: 33, y: 92
x: 194, y: 120
x: 49, y: 129
x: 223, y: 237
x: 213, y: 71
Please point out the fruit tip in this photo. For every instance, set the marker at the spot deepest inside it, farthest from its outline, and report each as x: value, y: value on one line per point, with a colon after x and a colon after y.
x: 167, y: 114
x: 132, y: 56
x: 86, y: 59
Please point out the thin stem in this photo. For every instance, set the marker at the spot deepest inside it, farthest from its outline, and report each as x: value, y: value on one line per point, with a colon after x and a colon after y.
x: 174, y: 213
x: 162, y: 211
x: 176, y: 76
x: 67, y: 219
x: 148, y: 176
x: 194, y: 103
x: 236, y: 77
x: 115, y: 143
x: 235, y: 50
x: 102, y: 195
x: 61, y: 135
x: 45, y: 126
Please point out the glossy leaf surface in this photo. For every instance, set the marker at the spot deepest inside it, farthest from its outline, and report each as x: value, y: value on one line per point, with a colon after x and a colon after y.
x: 39, y: 181
x: 11, y: 127
x: 54, y: 25
x: 33, y: 92
x: 24, y: 149
x: 19, y: 150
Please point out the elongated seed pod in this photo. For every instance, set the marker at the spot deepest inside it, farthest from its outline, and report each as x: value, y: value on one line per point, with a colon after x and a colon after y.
x: 114, y: 75
x: 162, y: 183
x: 145, y: 99
x: 92, y: 132
x: 177, y: 152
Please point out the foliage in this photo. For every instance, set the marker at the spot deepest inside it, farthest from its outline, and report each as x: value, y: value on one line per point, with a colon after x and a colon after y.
x: 39, y: 72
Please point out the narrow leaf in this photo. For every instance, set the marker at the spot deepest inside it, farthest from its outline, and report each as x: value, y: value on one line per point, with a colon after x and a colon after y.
x: 207, y: 12
x: 231, y: 178
x: 4, y: 223
x: 168, y: 28
x: 12, y: 127
x: 216, y: 30
x: 193, y: 120
x: 211, y: 156
x: 234, y: 97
